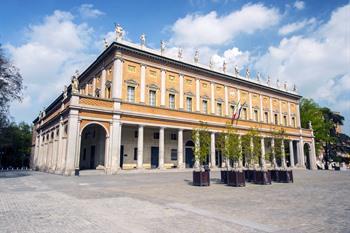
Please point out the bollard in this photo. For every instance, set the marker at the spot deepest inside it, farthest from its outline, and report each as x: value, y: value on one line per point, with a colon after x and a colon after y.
x: 76, y: 172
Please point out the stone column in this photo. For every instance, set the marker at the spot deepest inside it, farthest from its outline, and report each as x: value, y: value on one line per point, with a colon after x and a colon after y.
x: 271, y: 111
x: 59, y: 147
x: 198, y: 97
x: 140, y: 148
x: 301, y: 154
x: 263, y: 164
x: 274, y: 162
x: 283, y: 155
x: 312, y: 159
x: 298, y: 116
x: 143, y: 83
x: 291, y: 153
x: 161, y: 148
x: 227, y: 109
x: 162, y: 88
x: 117, y: 77
x: 115, y: 141
x: 77, y: 146
x: 180, y: 160
x: 212, y: 98
x: 261, y: 109
x: 212, y: 150
x: 94, y: 86
x: 36, y: 152
x: 71, y: 141
x: 181, y: 106
x: 103, y: 83
x: 250, y: 107
x: 55, y: 152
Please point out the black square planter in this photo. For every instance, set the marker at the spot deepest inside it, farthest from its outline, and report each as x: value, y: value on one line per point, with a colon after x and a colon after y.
x: 235, y: 178
x: 249, y: 175
x: 223, y: 176
x: 285, y: 176
x: 201, y: 178
x: 274, y: 175
x: 262, y: 177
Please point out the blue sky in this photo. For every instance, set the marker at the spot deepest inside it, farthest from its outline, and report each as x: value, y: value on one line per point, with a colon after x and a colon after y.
x: 302, y: 42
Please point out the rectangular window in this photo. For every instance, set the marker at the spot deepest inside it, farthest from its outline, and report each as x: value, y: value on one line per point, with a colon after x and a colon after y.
x: 173, y: 136
x: 232, y: 109
x: 189, y: 104
x: 171, y: 101
x: 293, y: 122
x: 108, y: 92
x: 135, y: 153
x: 205, y: 106
x: 266, y: 117
x: 219, y: 109
x: 285, y: 120
x: 136, y: 134
x: 256, y: 115
x: 173, y: 154
x: 152, y: 98
x: 276, y: 119
x: 244, y: 114
x: 131, y: 94
x: 156, y: 135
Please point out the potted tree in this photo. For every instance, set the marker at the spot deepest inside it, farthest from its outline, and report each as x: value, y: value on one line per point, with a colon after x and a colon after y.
x: 280, y: 174
x: 229, y: 143
x: 201, y: 174
x: 220, y: 145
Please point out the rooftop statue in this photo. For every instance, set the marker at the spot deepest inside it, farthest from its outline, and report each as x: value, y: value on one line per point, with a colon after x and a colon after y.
x: 285, y: 86
x: 105, y: 43
x: 162, y: 47
x: 196, y: 56
x: 294, y: 88
x: 65, y: 92
x: 179, y: 54
x: 119, y: 32
x: 268, y: 80
x: 75, y: 84
x: 143, y: 39
x: 258, y: 77
x: 278, y: 83
x: 224, y: 66
x: 211, y: 63
x: 247, y: 73
x: 310, y: 125
x: 236, y: 71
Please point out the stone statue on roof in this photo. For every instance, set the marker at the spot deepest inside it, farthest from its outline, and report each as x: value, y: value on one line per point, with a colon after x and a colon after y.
x: 179, y: 54
x: 65, y: 92
x: 268, y: 80
x: 224, y: 66
x: 236, y: 71
x: 119, y: 32
x: 196, y: 56
x: 294, y: 88
x: 278, y: 83
x: 162, y: 46
x: 258, y: 77
x: 247, y: 73
x: 105, y: 43
x: 211, y: 63
x: 143, y: 39
x: 285, y: 86
x: 75, y: 84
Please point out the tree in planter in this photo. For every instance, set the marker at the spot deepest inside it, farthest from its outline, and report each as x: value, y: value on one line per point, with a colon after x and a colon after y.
x: 201, y: 136
x: 279, y: 152
x: 251, y: 147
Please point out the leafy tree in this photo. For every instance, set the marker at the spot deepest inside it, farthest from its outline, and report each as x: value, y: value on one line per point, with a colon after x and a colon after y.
x: 10, y: 87
x: 278, y: 136
x: 15, y: 145
x: 201, y: 137
x: 228, y: 143
x: 251, y: 146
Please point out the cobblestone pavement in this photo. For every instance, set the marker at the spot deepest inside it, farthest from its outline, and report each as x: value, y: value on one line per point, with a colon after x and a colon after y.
x: 318, y: 201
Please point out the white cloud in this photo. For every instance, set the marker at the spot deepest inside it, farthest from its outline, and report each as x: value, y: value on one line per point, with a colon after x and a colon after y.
x: 318, y: 64
x: 88, y: 11
x: 293, y: 27
x: 213, y: 29
x: 53, y: 50
x: 299, y: 5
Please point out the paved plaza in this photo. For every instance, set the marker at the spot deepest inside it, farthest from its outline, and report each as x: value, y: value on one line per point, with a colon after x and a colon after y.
x: 318, y: 201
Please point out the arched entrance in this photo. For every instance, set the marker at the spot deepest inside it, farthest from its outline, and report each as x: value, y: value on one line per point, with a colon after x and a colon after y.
x: 92, y: 147
x: 307, y: 150
x: 189, y: 158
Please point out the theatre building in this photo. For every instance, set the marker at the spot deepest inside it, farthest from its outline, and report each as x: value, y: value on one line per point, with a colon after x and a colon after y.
x: 135, y: 108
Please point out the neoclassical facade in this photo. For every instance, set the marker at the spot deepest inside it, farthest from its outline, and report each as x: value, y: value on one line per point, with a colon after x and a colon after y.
x: 135, y: 108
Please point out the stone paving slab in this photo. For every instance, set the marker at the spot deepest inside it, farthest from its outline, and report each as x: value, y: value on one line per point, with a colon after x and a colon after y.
x: 318, y: 201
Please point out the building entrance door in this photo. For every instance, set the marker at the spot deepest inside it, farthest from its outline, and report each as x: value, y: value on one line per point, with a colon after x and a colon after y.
x: 92, y: 158
x: 154, y: 157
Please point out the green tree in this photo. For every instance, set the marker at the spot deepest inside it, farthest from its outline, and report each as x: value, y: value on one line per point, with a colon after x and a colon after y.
x: 10, y: 87
x: 228, y: 143
x: 15, y: 145
x: 201, y: 137
x: 251, y: 146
